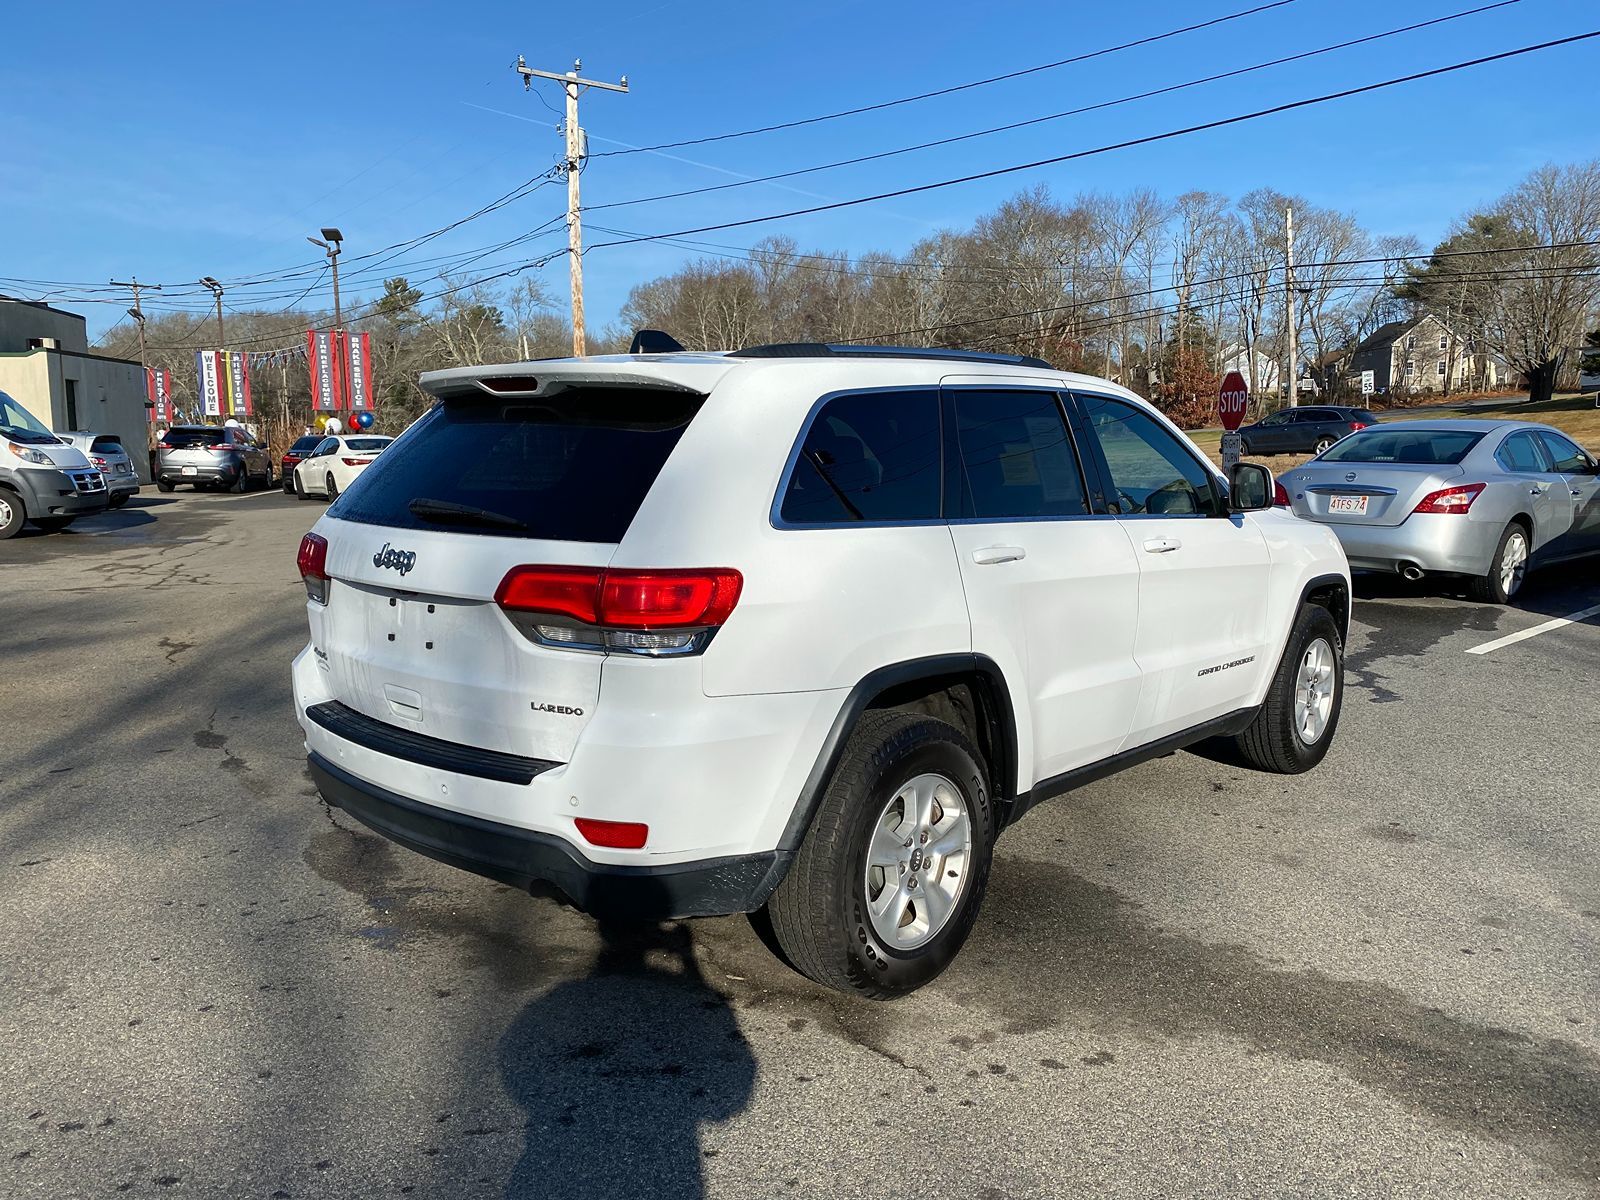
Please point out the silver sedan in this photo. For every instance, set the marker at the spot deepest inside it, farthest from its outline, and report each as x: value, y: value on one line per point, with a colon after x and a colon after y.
x: 1480, y: 499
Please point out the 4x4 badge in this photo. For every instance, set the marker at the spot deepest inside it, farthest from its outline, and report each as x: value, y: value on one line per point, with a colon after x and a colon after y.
x: 395, y: 560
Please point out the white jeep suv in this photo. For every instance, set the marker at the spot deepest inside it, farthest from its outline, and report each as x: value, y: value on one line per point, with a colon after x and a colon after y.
x: 794, y: 630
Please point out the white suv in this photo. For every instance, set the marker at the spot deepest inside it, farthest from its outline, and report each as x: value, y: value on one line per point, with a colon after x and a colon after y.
x: 794, y: 630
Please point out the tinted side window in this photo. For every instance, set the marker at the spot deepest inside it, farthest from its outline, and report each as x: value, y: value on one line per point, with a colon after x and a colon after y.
x: 1016, y: 457
x: 868, y: 456
x: 1151, y: 470
x: 1520, y: 452
x: 325, y: 446
x: 1567, y: 455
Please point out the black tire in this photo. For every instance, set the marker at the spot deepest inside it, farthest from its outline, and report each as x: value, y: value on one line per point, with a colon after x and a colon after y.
x: 12, y: 515
x: 1272, y: 742
x: 818, y: 914
x: 1324, y: 444
x: 300, y: 488
x: 53, y: 524
x: 333, y: 489
x: 1490, y: 588
x: 241, y: 483
x: 119, y: 500
x: 163, y: 486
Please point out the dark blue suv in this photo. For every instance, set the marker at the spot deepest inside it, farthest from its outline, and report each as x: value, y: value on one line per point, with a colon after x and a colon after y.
x: 1310, y: 429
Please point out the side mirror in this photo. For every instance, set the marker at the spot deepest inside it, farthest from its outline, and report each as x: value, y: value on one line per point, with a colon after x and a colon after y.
x: 1249, y: 488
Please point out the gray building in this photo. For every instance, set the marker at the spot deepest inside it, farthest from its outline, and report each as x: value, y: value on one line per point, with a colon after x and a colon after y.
x: 46, y: 366
x: 1420, y: 355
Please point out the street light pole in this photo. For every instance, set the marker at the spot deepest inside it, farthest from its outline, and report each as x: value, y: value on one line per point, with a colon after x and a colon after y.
x: 332, y: 242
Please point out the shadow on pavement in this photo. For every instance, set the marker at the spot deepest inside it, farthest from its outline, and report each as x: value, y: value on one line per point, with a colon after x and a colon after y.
x: 618, y: 1071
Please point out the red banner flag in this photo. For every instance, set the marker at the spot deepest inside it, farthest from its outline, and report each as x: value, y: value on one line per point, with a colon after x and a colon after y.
x: 322, y: 358
x: 358, y: 358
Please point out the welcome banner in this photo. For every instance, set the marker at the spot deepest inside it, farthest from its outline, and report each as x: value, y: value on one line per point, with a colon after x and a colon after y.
x: 209, y: 370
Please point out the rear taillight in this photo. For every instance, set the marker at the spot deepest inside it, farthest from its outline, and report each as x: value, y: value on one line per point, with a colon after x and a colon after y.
x: 1357, y: 426
x: 313, y: 563
x: 642, y: 612
x: 1450, y: 500
x: 99, y: 462
x: 355, y: 462
x: 1280, y: 498
x: 163, y: 446
x: 615, y: 835
x: 222, y: 448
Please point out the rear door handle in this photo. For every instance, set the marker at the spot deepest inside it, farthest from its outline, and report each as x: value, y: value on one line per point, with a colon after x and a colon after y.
x: 1162, y: 545
x: 998, y: 554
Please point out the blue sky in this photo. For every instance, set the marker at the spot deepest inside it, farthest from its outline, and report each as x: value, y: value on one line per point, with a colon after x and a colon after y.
x: 174, y: 140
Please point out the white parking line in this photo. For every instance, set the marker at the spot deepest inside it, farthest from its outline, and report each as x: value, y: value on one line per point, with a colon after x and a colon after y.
x: 1510, y: 639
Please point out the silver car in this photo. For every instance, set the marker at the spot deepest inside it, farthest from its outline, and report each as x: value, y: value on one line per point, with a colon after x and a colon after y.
x: 110, y: 456
x: 1480, y: 499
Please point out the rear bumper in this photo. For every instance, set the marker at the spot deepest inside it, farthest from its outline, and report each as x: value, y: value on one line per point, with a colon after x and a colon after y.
x: 175, y: 474
x: 540, y: 862
x: 1446, y: 544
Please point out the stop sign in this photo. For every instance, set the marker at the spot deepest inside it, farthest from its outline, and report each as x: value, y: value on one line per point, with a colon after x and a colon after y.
x: 1231, y: 400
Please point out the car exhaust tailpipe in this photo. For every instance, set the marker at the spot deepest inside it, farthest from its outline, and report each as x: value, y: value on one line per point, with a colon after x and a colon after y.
x: 1411, y: 571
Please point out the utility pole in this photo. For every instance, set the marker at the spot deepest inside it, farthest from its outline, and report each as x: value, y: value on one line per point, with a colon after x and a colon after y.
x: 216, y: 293
x: 137, y: 311
x: 572, y: 84
x: 1288, y: 290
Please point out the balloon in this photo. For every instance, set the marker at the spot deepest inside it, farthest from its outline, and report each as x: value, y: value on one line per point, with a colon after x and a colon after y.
x: 333, y: 425
x: 322, y: 420
x: 364, y: 419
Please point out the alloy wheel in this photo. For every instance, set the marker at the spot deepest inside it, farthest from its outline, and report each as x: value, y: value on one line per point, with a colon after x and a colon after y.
x: 917, y: 859
x: 1313, y: 692
x: 1514, y: 563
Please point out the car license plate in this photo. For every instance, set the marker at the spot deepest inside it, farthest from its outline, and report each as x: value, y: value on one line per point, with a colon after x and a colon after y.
x: 189, y: 471
x: 1348, y: 504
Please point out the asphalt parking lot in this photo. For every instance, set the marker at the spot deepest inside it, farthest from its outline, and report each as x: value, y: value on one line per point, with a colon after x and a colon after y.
x: 1378, y: 979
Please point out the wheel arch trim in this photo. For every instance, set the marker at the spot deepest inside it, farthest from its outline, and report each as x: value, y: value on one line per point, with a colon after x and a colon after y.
x: 1002, y: 722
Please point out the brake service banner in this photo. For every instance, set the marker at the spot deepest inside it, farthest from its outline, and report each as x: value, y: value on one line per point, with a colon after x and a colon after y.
x: 359, y: 358
x: 320, y: 357
x: 209, y: 371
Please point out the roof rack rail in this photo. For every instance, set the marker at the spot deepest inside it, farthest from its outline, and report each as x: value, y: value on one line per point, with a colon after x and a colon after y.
x: 842, y: 350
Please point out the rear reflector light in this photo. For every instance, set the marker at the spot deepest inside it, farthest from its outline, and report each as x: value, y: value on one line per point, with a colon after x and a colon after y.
x: 313, y: 563
x: 1450, y: 500
x: 623, y: 599
x: 1280, y: 498
x: 616, y: 835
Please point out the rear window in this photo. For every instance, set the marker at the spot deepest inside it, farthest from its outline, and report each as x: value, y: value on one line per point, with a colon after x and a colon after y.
x: 574, y: 466
x: 1365, y: 416
x: 371, y: 443
x: 1434, y: 447
x: 305, y: 445
x: 106, y: 443
x: 179, y: 439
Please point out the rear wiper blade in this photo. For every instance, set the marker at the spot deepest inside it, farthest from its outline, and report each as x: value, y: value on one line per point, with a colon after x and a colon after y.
x: 444, y: 512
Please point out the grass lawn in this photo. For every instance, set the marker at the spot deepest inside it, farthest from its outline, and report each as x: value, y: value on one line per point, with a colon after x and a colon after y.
x: 1576, y: 416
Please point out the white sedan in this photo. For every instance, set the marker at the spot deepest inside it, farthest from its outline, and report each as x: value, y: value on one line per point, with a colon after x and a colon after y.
x: 334, y: 464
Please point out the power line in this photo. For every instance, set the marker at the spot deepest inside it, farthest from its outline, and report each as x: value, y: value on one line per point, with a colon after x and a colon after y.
x: 1123, y: 145
x: 947, y: 91
x: 1071, y: 112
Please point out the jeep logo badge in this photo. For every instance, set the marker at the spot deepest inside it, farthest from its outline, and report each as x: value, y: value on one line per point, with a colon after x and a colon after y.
x: 395, y: 560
